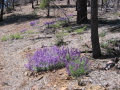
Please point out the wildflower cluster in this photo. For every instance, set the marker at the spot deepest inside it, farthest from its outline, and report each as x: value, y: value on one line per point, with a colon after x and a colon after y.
x: 50, y: 57
x: 33, y: 23
x: 78, y: 67
x: 70, y: 16
x: 48, y: 23
x: 23, y: 30
x: 60, y: 21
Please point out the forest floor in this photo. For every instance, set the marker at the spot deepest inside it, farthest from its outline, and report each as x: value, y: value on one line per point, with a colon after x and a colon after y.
x: 13, y: 74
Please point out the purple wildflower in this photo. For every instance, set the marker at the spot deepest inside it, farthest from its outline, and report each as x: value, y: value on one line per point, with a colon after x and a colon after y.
x: 70, y: 15
x: 23, y: 30
x: 62, y: 19
x: 50, y: 57
x: 32, y: 23
x: 48, y: 23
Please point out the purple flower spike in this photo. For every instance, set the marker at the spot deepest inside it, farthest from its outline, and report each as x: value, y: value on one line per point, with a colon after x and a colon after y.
x: 32, y: 23
x: 23, y: 30
x: 62, y: 18
x: 70, y: 15
x: 49, y: 57
x: 48, y: 23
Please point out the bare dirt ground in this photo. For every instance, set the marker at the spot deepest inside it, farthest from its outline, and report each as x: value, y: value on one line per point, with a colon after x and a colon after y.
x: 14, y: 76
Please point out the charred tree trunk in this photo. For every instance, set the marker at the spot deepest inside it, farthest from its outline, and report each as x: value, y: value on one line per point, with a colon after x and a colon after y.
x: 48, y: 8
x: 37, y: 2
x: 68, y: 2
x: 2, y: 10
x: 96, y: 51
x: 32, y: 4
x: 13, y: 4
x: 81, y: 11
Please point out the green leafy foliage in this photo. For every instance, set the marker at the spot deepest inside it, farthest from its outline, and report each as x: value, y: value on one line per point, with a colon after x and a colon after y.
x: 102, y: 34
x: 59, y: 38
x: 16, y: 36
x: 44, y: 4
x: 12, y: 37
x: 104, y: 45
x: 30, y: 32
x: 80, y: 30
x: 78, y: 67
x: 4, y: 38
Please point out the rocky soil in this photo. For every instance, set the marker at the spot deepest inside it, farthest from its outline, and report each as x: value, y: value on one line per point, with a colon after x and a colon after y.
x: 14, y: 76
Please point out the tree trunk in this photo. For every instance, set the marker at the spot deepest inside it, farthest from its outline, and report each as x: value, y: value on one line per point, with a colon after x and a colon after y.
x: 2, y: 10
x: 32, y: 4
x: 96, y: 51
x: 102, y: 4
x: 37, y: 2
x: 13, y: 4
x: 68, y: 2
x: 81, y: 11
x: 88, y: 1
x: 48, y: 8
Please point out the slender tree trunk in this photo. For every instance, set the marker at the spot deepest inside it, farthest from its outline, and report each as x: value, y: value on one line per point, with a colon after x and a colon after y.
x: 81, y: 11
x: 68, y: 2
x: 94, y: 29
x: 32, y: 4
x: 102, y: 4
x: 13, y: 4
x: 118, y: 5
x: 48, y: 8
x: 88, y: 1
x: 37, y: 2
x: 76, y: 4
x: 2, y: 10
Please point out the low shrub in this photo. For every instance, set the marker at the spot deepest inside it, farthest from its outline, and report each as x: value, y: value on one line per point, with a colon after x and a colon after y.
x: 80, y: 30
x: 78, y: 67
x: 15, y: 36
x: 33, y: 23
x: 102, y: 34
x: 4, y: 38
x: 49, y: 58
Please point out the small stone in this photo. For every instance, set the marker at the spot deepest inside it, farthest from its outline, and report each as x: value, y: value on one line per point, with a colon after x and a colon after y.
x: 26, y: 73
x: 29, y: 48
x: 68, y: 78
x: 34, y: 88
x: 94, y: 87
x: 81, y: 83
x: 4, y: 83
x: 64, y: 88
x: 54, y: 86
x: 54, y: 71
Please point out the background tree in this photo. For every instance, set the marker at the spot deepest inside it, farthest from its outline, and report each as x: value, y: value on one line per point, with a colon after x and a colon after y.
x: 32, y: 1
x: 68, y: 2
x: 2, y: 9
x: 81, y: 7
x: 96, y: 51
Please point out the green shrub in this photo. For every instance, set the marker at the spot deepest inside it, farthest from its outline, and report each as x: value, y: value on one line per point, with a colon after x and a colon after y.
x: 16, y: 36
x: 4, y: 38
x: 80, y: 30
x: 59, y: 38
x: 104, y: 45
x: 102, y: 34
x: 30, y: 32
x: 44, y: 4
x: 78, y: 67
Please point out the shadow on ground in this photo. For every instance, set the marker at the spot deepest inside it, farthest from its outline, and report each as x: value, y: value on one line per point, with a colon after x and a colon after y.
x: 62, y: 6
x: 19, y: 18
